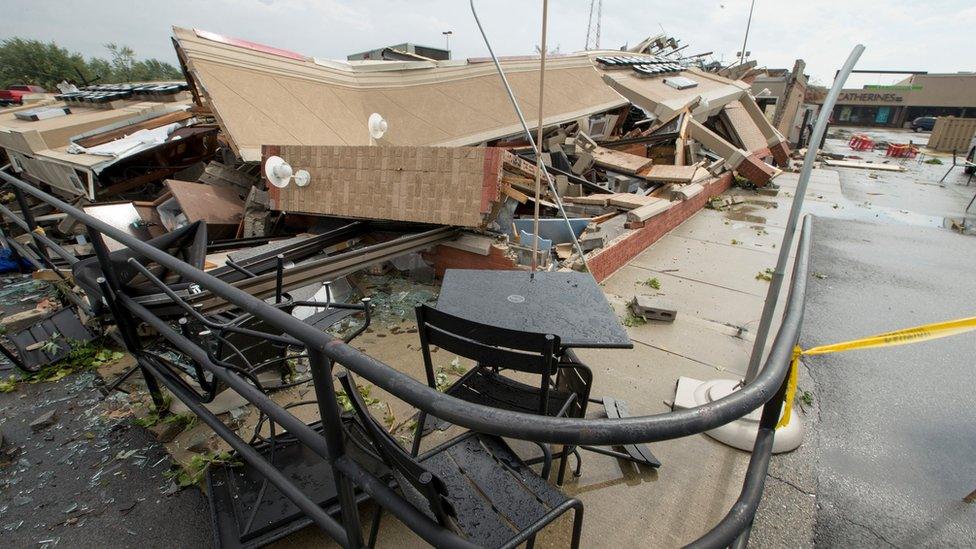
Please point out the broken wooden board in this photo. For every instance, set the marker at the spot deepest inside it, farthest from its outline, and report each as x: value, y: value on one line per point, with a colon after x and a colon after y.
x: 593, y: 199
x: 863, y: 165
x: 441, y: 185
x: 669, y: 174
x: 629, y: 201
x: 648, y: 210
x: 619, y: 161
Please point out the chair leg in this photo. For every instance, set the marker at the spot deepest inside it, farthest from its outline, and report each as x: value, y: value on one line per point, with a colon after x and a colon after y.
x: 375, y: 527
x: 577, y: 527
x: 562, y: 465
x: 530, y: 543
x: 579, y: 462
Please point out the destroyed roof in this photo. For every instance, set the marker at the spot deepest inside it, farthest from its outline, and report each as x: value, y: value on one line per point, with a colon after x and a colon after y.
x: 263, y: 95
x: 655, y: 96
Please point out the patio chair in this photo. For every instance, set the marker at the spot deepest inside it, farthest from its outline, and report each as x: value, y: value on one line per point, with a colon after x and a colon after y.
x: 498, y: 349
x: 473, y: 484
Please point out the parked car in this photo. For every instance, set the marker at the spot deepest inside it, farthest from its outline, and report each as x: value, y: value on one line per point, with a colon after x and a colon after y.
x: 923, y: 123
x: 15, y: 94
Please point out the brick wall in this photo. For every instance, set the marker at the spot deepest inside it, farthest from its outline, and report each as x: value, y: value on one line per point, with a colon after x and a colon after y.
x: 603, y: 263
x: 447, y: 257
x: 626, y: 247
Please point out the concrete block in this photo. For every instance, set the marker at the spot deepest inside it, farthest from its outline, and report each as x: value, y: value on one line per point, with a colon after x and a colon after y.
x: 562, y: 184
x: 584, y: 161
x: 648, y: 210
x: 620, y: 183
x: 590, y: 241
x: 573, y: 189
x: 684, y: 192
x: 653, y: 308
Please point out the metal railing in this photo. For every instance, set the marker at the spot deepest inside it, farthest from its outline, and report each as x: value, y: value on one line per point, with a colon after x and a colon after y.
x: 766, y: 391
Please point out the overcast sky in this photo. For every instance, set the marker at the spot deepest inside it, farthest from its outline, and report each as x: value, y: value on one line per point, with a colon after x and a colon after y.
x: 898, y: 34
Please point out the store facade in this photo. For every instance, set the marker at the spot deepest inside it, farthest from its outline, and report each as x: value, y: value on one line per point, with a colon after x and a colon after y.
x: 897, y: 105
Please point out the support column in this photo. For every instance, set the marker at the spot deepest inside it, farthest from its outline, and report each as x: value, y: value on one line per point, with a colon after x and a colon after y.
x: 739, y: 160
x: 776, y: 142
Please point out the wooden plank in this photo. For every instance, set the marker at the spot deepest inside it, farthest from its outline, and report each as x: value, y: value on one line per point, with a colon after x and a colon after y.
x: 864, y: 165
x: 629, y: 201
x: 679, y: 154
x: 521, y: 197
x: 669, y: 174
x: 605, y: 217
x: 648, y: 210
x: 619, y: 161
x: 591, y: 200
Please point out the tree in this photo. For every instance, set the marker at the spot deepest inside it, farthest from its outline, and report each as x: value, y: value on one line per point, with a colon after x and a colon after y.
x: 34, y: 62
x: 46, y: 64
x: 123, y: 59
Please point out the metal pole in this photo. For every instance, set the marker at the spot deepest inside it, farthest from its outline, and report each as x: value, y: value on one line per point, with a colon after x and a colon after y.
x: 328, y: 406
x: 742, y: 54
x: 528, y: 135
x: 538, y: 139
x: 772, y: 296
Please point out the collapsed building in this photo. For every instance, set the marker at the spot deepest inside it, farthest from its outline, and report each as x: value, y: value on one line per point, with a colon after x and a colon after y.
x: 635, y: 142
x: 287, y: 177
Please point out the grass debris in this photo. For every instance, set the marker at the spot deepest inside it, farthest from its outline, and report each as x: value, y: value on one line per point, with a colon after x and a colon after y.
x: 8, y: 385
x: 192, y: 473
x: 632, y: 320
x: 346, y: 403
x: 766, y: 274
x: 83, y: 356
x: 652, y: 282
x: 934, y: 161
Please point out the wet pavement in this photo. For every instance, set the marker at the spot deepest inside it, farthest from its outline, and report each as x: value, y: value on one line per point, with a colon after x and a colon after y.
x: 897, y: 429
x: 90, y: 478
x: 887, y: 453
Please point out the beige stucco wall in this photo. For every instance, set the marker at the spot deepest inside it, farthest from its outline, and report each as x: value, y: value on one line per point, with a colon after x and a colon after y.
x: 950, y: 90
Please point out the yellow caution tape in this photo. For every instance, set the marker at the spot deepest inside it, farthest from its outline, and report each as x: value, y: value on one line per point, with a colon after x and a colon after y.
x: 887, y: 339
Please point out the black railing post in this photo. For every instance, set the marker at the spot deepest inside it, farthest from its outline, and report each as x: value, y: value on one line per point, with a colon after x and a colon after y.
x: 29, y: 219
x: 332, y: 430
x: 126, y: 325
x: 110, y: 287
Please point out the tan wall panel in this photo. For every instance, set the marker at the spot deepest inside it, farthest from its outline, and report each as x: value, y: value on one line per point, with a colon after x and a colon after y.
x: 442, y: 185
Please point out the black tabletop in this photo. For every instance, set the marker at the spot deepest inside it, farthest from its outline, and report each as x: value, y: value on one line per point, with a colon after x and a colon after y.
x: 566, y: 304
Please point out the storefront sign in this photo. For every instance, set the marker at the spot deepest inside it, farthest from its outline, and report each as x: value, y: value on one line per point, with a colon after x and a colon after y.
x: 868, y: 97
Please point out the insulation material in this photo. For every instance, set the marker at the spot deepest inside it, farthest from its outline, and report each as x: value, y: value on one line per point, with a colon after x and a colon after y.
x: 261, y: 97
x: 446, y: 186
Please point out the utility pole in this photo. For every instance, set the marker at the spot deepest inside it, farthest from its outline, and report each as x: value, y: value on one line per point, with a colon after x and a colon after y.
x: 447, y: 41
x: 742, y: 54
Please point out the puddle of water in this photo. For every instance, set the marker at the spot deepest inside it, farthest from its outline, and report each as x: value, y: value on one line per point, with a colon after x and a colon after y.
x: 742, y: 216
x: 763, y: 203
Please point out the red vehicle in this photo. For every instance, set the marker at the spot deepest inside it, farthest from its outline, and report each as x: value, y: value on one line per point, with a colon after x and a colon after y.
x: 15, y: 94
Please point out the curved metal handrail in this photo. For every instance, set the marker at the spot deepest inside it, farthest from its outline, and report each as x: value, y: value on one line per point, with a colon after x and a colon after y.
x: 601, y: 432
x: 766, y: 390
